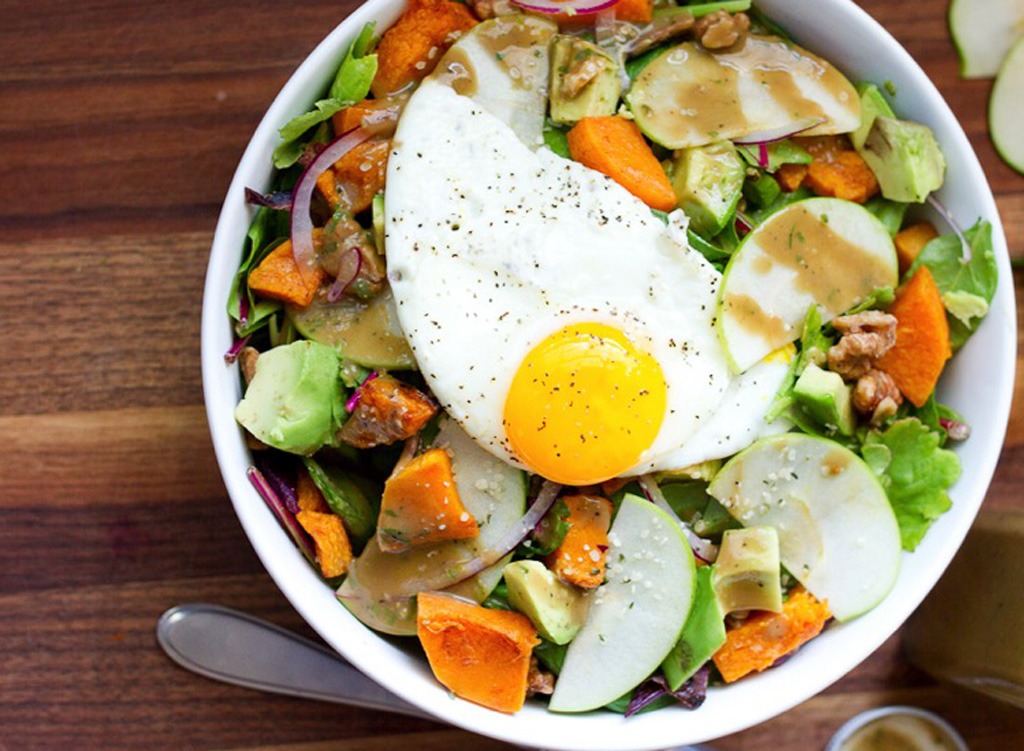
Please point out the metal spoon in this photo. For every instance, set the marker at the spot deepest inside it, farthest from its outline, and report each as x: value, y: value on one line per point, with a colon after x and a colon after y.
x: 235, y: 647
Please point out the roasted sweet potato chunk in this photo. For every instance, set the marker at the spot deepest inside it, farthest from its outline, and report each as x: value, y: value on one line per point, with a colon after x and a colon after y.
x: 387, y: 411
x: 580, y: 559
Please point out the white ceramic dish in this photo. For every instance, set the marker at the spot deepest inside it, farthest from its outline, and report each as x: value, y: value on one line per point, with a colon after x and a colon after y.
x: 979, y: 383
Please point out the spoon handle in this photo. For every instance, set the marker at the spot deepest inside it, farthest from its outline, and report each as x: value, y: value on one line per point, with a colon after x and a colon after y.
x: 234, y: 647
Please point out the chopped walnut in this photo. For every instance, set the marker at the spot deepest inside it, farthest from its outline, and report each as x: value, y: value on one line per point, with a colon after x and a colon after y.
x: 247, y: 363
x: 866, y: 337
x: 585, y: 68
x: 721, y: 29
x: 678, y: 26
x: 876, y: 395
x: 539, y: 681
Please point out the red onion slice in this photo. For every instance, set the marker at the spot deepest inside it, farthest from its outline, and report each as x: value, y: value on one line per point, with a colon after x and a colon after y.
x: 462, y: 570
x: 348, y: 270
x: 947, y: 216
x: 568, y: 7
x: 284, y: 516
x: 706, y: 551
x: 302, y: 196
x: 780, y: 133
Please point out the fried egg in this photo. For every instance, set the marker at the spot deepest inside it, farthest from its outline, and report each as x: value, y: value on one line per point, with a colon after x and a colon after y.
x: 551, y: 313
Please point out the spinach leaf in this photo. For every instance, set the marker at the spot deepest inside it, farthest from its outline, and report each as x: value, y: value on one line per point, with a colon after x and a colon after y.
x: 351, y: 84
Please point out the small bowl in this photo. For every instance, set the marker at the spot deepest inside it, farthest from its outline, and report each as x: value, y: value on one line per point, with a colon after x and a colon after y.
x: 845, y: 737
x: 978, y: 383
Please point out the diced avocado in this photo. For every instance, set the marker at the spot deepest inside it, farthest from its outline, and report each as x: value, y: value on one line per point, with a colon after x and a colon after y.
x: 703, y: 633
x: 872, y: 105
x: 747, y: 572
x: 905, y: 158
x: 295, y: 399
x: 826, y: 398
x: 708, y: 181
x: 584, y: 80
x: 762, y: 190
x: 557, y: 609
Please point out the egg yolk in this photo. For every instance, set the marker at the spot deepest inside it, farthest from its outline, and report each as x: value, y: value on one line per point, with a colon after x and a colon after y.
x: 584, y: 405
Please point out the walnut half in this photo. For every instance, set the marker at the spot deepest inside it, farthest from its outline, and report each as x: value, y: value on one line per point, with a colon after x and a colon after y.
x: 721, y: 29
x: 876, y: 395
x: 866, y: 337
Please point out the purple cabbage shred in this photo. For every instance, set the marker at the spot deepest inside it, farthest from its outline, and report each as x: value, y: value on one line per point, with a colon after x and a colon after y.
x: 279, y: 200
x: 690, y: 695
x: 353, y: 401
x: 232, y: 354
x: 956, y: 430
x: 282, y: 480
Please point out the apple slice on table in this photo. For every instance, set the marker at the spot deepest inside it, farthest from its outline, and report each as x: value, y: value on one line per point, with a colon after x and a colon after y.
x: 983, y: 32
x: 636, y: 616
x: 820, y: 251
x: 837, y: 532
x: 1006, y: 108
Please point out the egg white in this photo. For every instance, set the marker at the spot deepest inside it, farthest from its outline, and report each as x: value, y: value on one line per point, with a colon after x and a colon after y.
x: 491, y: 247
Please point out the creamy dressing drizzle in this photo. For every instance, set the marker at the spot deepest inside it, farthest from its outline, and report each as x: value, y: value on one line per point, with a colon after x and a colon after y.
x: 708, y: 99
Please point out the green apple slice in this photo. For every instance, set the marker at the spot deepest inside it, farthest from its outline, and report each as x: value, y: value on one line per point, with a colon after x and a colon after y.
x: 1006, y: 108
x: 502, y: 65
x: 983, y: 32
x: 636, y: 616
x: 760, y: 90
x: 820, y: 251
x: 837, y: 532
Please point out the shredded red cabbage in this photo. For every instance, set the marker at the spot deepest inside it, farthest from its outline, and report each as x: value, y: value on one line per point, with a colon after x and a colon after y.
x: 353, y: 401
x: 282, y: 480
x: 279, y: 200
x: 690, y: 695
x: 947, y: 216
x: 236, y: 349
x: 284, y: 516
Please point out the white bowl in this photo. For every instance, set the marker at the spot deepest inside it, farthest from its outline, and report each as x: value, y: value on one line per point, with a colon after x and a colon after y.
x: 978, y: 383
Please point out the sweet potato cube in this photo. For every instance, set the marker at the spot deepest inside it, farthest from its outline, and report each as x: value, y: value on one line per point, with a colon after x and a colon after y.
x: 581, y: 557
x: 764, y: 637
x: 279, y: 276
x: 411, y: 48
x: 614, y: 146
x: 421, y: 505
x: 846, y: 175
x: 333, y: 549
x: 791, y: 176
x: 308, y: 494
x: 477, y: 653
x: 911, y: 240
x: 387, y: 411
x: 634, y: 11
x: 922, y: 347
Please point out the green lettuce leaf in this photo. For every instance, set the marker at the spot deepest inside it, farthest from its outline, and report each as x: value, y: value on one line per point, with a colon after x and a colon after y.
x: 967, y: 286
x: 915, y: 473
x: 351, y: 84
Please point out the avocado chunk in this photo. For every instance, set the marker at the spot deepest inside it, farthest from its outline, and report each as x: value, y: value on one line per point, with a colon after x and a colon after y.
x: 872, y: 105
x: 584, y: 80
x: 702, y: 635
x: 557, y: 609
x: 295, y: 400
x: 826, y: 398
x: 747, y: 572
x: 708, y: 181
x: 905, y: 158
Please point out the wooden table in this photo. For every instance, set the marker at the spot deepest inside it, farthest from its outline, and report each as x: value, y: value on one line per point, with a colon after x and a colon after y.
x: 120, y: 127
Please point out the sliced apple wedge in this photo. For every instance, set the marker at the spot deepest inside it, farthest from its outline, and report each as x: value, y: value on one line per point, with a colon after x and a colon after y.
x: 759, y: 90
x: 636, y: 616
x: 837, y: 532
x: 1006, y: 108
x: 983, y: 32
x: 821, y: 251
x: 502, y: 64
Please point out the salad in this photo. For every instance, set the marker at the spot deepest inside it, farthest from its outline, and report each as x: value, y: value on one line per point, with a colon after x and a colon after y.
x: 592, y: 346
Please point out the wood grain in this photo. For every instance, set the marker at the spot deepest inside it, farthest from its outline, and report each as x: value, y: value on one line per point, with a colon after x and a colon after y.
x: 120, y: 127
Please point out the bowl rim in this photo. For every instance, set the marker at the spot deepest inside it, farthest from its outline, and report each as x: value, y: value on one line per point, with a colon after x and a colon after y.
x: 829, y: 657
